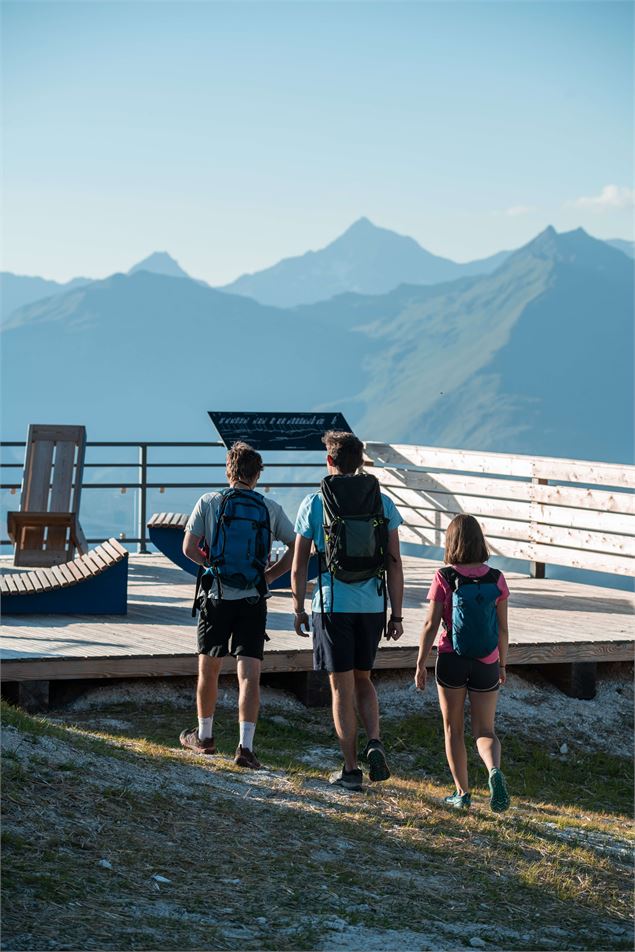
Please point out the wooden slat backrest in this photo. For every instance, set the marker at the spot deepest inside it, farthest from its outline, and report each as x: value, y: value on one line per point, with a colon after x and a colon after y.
x: 62, y: 483
x: 37, y: 479
x: 60, y: 499
x: 53, y: 473
x: 42, y: 442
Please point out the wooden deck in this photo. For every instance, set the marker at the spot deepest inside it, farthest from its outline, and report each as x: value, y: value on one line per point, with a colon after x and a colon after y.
x: 550, y: 621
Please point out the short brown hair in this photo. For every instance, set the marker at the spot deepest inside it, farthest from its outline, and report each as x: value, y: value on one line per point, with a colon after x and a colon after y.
x: 346, y: 451
x: 464, y: 542
x: 243, y: 463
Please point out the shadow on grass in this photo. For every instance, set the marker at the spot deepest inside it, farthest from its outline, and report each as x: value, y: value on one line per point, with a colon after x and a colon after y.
x: 496, y: 863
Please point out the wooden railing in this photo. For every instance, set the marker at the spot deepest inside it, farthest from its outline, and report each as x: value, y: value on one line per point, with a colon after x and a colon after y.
x: 540, y: 509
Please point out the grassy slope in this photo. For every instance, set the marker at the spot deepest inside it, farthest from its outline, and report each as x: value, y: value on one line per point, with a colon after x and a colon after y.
x: 280, y: 860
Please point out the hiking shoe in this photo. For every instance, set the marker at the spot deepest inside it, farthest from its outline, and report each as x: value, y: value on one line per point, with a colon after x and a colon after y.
x: 499, y: 796
x: 349, y: 779
x: 246, y: 758
x: 190, y: 739
x: 459, y: 801
x: 376, y: 757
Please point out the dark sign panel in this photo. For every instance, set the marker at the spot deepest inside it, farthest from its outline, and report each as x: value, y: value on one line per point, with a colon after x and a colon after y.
x: 277, y: 431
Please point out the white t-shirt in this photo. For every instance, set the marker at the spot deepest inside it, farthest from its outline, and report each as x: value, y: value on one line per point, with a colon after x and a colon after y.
x: 203, y: 521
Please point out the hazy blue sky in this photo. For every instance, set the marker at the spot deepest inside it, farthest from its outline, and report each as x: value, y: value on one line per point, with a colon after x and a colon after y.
x: 233, y: 134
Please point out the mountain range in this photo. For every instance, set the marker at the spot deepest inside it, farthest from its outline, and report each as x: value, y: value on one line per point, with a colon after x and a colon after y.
x: 533, y: 357
x: 365, y: 259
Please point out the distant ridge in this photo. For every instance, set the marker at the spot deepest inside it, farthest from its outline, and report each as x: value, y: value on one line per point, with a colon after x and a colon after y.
x: 18, y: 290
x: 628, y: 247
x: 365, y: 259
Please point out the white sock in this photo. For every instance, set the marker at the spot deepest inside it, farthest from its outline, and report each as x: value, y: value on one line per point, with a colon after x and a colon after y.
x: 247, y: 731
x: 205, y: 728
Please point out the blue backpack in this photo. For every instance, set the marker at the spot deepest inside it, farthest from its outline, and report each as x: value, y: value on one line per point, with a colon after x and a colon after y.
x: 239, y: 551
x: 474, y: 631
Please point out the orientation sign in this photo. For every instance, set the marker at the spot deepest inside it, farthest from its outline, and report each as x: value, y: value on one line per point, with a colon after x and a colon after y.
x: 277, y: 431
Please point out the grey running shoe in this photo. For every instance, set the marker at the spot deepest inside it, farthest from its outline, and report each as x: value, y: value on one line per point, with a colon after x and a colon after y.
x: 349, y: 779
x: 376, y: 757
x: 499, y: 796
x: 190, y: 740
x: 246, y: 758
x: 459, y: 801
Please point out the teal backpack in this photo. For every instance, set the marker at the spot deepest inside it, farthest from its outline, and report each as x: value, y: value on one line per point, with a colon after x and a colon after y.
x: 474, y: 632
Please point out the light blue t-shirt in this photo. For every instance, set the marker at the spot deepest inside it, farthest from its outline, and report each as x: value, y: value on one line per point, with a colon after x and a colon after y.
x: 349, y: 596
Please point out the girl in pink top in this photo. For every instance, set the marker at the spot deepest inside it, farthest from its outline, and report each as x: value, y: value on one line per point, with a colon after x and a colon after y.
x: 466, y: 554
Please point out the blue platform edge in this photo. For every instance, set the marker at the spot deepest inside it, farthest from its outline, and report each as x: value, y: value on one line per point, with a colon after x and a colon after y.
x: 103, y: 594
x: 170, y: 543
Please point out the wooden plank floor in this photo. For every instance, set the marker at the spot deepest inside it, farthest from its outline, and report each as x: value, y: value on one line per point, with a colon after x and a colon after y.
x: 549, y: 621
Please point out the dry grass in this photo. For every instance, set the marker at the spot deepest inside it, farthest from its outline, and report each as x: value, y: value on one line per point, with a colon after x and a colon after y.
x: 280, y: 860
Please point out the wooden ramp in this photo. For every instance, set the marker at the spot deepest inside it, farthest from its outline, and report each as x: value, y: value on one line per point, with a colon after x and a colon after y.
x: 93, y: 584
x: 550, y: 621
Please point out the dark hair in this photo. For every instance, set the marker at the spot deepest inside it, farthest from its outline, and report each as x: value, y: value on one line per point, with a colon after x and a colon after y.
x: 464, y: 542
x: 243, y: 463
x: 346, y: 451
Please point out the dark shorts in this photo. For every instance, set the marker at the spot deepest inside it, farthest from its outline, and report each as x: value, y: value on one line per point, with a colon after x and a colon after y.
x: 346, y: 641
x: 454, y: 671
x: 241, y: 621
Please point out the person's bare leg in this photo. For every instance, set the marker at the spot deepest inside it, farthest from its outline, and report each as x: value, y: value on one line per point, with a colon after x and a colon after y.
x: 207, y: 685
x: 452, y: 701
x: 483, y: 707
x: 344, y: 715
x: 248, y: 689
x: 367, y: 704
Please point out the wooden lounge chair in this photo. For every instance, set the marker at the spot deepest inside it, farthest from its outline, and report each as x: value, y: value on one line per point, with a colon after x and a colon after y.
x: 46, y: 531
x: 93, y: 584
x: 166, y: 533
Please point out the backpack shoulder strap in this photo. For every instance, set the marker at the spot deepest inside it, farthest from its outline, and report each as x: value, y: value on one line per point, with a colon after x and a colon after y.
x: 492, y: 575
x: 450, y: 575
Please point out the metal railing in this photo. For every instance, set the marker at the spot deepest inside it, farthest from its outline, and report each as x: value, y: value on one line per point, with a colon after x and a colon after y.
x: 144, y: 465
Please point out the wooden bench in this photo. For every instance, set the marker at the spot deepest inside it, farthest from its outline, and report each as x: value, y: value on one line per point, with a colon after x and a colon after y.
x: 95, y: 583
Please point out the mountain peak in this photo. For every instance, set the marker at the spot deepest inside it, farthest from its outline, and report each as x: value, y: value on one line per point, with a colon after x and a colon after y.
x: 160, y: 262
x: 361, y: 224
x: 574, y: 247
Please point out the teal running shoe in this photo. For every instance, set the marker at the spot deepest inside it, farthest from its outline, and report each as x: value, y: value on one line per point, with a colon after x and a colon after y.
x: 459, y: 801
x: 499, y: 795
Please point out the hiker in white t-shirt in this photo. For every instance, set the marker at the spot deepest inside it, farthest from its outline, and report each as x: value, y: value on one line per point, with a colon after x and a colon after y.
x: 237, y: 525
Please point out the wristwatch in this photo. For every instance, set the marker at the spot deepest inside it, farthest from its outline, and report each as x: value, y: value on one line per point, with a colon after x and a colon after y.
x: 397, y: 618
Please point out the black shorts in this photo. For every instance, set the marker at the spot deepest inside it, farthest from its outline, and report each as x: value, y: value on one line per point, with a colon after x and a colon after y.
x: 241, y: 620
x: 346, y: 641
x: 454, y: 671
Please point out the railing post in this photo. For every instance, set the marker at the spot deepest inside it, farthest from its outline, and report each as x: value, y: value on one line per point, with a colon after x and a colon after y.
x: 143, y: 480
x: 537, y: 569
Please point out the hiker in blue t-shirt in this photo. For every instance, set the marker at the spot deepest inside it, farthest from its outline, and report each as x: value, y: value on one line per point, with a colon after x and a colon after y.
x: 238, y: 526
x: 360, y: 572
